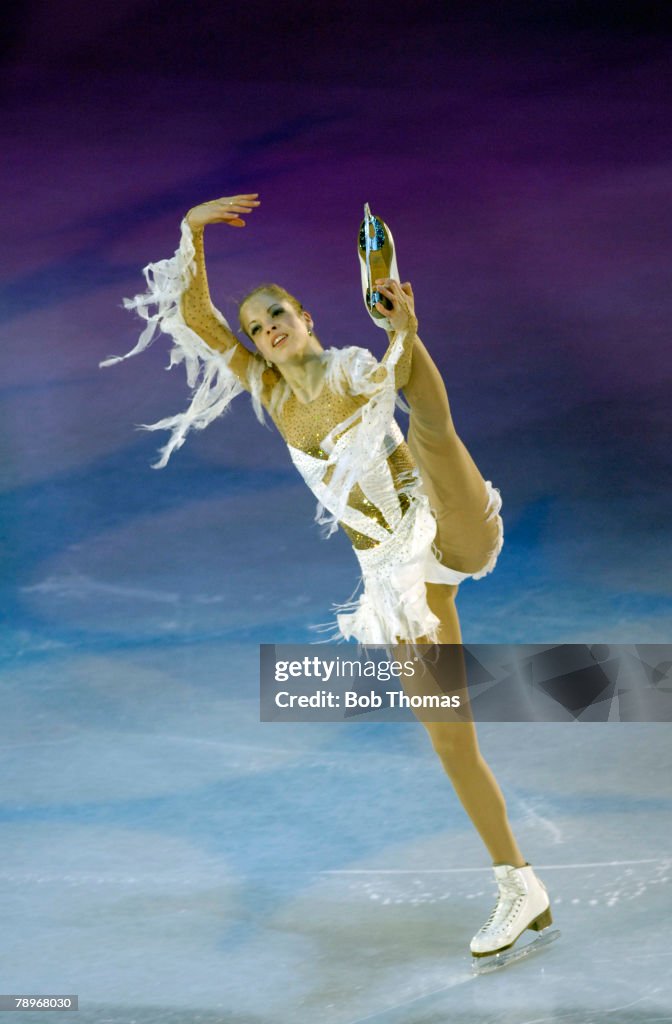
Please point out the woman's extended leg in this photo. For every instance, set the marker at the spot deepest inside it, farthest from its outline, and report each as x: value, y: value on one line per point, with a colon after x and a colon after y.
x: 465, y: 536
x: 457, y: 745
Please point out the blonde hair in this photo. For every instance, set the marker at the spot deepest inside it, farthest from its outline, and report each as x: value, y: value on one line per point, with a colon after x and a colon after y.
x: 276, y: 290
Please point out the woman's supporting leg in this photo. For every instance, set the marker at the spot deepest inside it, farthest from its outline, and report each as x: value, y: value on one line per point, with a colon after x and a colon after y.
x: 465, y: 538
x: 454, y: 485
x: 456, y: 742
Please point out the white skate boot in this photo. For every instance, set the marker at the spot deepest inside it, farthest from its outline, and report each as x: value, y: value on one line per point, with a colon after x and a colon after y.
x: 522, y: 903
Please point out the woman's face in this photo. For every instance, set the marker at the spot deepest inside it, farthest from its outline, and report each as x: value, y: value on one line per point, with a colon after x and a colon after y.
x: 276, y: 328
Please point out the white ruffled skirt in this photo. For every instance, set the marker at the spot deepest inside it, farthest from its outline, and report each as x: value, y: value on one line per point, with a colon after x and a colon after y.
x: 393, y: 605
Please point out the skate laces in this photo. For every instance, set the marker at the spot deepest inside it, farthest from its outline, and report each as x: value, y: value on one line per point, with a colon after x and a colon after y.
x: 509, y: 902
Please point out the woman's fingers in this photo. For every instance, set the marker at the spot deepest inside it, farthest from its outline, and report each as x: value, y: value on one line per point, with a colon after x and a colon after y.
x: 225, y: 210
x: 230, y: 206
x: 228, y: 210
x: 233, y: 204
x: 400, y: 297
x: 392, y: 291
x: 244, y: 197
x: 244, y: 200
x: 390, y: 283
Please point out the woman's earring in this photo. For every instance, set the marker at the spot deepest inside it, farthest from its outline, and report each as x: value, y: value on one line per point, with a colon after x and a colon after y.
x: 310, y: 334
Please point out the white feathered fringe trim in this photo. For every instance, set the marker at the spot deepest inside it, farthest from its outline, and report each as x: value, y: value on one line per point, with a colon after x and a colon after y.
x: 492, y: 512
x: 214, y: 385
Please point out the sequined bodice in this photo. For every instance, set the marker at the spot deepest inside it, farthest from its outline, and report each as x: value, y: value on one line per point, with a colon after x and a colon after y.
x: 305, y: 425
x: 399, y: 461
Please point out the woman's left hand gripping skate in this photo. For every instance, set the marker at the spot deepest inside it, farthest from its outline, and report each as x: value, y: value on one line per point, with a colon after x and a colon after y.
x: 402, y: 315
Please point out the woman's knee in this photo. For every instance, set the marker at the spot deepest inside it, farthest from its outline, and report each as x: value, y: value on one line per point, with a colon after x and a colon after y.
x: 467, y: 546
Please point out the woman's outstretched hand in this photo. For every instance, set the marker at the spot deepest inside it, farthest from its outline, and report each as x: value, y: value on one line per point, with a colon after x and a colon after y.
x: 227, y: 210
x: 402, y: 315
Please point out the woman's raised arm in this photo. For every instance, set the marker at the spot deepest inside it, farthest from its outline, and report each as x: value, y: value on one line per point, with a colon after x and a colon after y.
x: 197, y: 308
x: 402, y: 318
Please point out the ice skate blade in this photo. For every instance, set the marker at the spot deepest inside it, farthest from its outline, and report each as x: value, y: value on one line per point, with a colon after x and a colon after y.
x: 486, y: 964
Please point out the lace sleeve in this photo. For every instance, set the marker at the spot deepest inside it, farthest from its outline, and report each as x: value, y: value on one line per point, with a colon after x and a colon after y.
x: 403, y: 353
x: 205, y: 319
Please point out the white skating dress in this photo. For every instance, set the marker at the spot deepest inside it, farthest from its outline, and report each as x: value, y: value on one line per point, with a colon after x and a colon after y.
x: 352, y: 455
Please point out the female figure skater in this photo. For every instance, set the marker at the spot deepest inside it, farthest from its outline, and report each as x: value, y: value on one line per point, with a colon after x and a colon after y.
x: 419, y: 515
